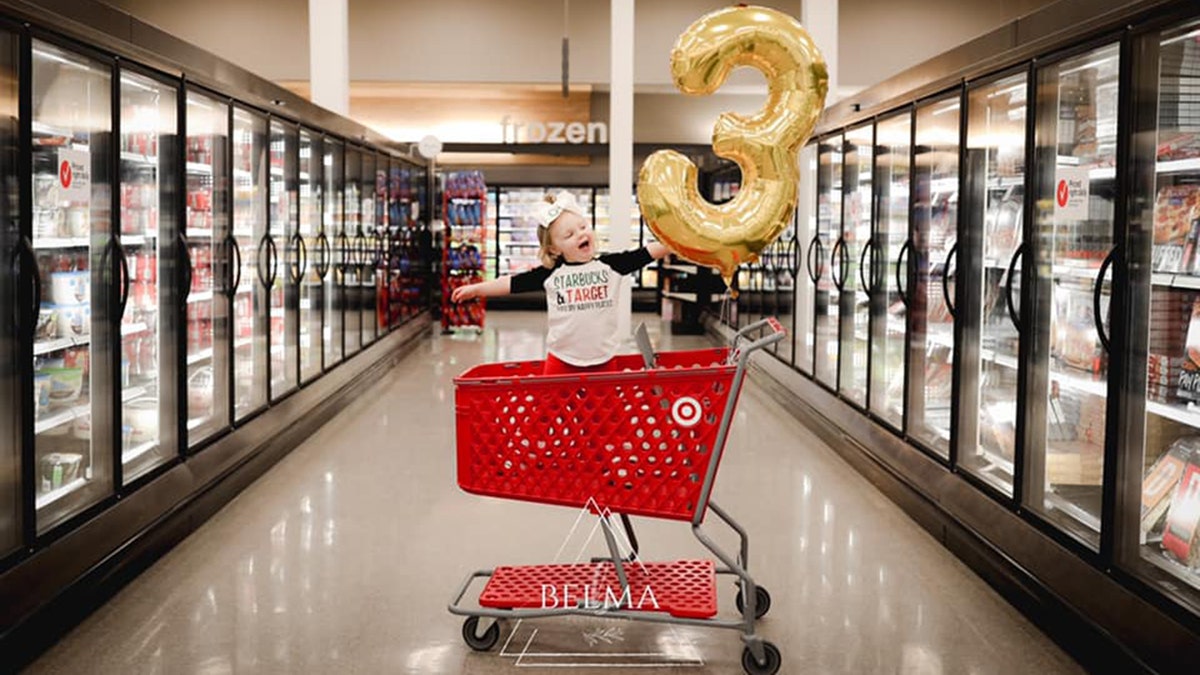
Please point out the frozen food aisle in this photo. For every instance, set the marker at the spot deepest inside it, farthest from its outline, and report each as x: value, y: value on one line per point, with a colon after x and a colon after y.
x: 343, y: 556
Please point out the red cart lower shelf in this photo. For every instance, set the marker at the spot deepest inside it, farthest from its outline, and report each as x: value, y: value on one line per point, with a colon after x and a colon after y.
x: 683, y: 588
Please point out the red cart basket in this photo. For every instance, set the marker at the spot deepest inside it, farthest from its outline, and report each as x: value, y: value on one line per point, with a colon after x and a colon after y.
x: 637, y: 441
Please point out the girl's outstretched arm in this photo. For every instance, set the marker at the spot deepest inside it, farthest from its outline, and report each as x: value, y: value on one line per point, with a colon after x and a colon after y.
x: 484, y: 289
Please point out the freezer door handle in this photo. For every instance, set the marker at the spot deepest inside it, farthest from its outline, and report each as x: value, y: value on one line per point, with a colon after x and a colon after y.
x: 125, y: 279
x: 273, y: 255
x: 260, y: 253
x: 1097, y: 292
x: 862, y: 266
x: 902, y: 266
x: 235, y: 253
x: 813, y: 272
x: 793, y: 257
x: 946, y: 281
x: 24, y: 252
x: 1008, y: 286
x: 324, y: 249
x: 839, y: 254
x: 186, y: 253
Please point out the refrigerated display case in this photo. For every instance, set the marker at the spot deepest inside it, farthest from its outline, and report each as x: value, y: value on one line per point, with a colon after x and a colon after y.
x: 309, y: 263
x: 149, y: 293
x: 1162, y: 533
x: 333, y: 252
x: 827, y: 258
x: 1075, y: 146
x: 886, y: 266
x: 993, y: 218
x: 14, y: 285
x: 353, y: 250
x: 281, y: 273
x: 371, y: 250
x: 251, y: 293
x: 803, y: 312
x: 856, y: 244
x: 931, y: 273
x: 206, y: 244
x: 147, y: 242
x: 77, y: 264
x: 384, y: 252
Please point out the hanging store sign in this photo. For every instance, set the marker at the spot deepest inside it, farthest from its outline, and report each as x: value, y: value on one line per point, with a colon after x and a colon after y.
x: 1071, y: 194
x: 74, y: 181
x: 514, y: 131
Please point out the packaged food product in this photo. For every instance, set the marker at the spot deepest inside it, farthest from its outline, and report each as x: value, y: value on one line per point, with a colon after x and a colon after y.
x: 65, y: 383
x: 1175, y: 207
x: 58, y: 469
x: 1189, y: 376
x: 47, y: 324
x: 70, y: 288
x: 1181, y: 536
x: 74, y: 320
x: 1162, y: 479
x: 41, y: 393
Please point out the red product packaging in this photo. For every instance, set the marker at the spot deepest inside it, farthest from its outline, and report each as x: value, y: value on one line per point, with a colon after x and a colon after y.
x: 1181, y: 537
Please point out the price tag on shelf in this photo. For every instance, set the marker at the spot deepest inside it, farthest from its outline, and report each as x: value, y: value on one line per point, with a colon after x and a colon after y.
x: 1071, y: 194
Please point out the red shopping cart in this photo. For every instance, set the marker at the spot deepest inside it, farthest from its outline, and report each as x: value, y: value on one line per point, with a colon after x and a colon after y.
x: 644, y: 440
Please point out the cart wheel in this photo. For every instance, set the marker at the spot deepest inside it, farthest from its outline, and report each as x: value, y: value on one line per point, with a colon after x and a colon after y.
x: 770, y: 667
x: 480, y: 643
x: 762, y: 602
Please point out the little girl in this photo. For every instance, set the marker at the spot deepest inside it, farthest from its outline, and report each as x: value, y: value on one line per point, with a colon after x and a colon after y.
x: 581, y: 287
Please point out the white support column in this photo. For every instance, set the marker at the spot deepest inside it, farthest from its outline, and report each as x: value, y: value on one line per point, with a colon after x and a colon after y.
x: 620, y: 142
x: 820, y: 18
x: 329, y: 54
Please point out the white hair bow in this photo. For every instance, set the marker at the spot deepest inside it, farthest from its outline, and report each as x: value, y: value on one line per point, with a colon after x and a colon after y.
x: 545, y: 212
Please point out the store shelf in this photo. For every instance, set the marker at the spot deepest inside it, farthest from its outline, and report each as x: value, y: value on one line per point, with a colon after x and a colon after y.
x: 137, y: 451
x: 68, y: 415
x: 686, y: 297
x: 198, y: 234
x: 48, y: 498
x: 59, y: 344
x: 1080, y: 383
x: 200, y: 356
x: 242, y: 343
x: 133, y: 328
x: 136, y: 158
x: 1179, y: 166
x: 199, y: 296
x: 687, y: 269
x: 1088, y: 520
x: 43, y: 129
x: 1186, y: 281
x: 1184, y: 413
x: 1076, y: 272
x: 134, y: 239
x: 198, y: 168
x: 61, y: 242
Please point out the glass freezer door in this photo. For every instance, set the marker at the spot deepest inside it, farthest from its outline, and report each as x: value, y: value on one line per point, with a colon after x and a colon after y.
x: 1165, y: 537
x: 370, y: 260
x: 333, y: 252
x: 383, y: 241
x: 809, y: 266
x: 149, y: 160
x: 854, y: 311
x: 308, y: 263
x: 352, y: 252
x: 995, y: 176
x: 251, y: 265
x: 829, y: 260
x: 77, y: 270
x: 282, y: 272
x: 13, y: 249
x: 933, y: 252
x: 207, y: 237
x: 1076, y: 146
x: 887, y: 260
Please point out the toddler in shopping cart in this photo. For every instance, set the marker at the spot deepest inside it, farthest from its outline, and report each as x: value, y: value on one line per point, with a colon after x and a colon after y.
x: 581, y: 287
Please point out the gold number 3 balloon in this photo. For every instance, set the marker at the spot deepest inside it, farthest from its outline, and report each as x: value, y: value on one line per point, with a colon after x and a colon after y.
x: 764, y: 146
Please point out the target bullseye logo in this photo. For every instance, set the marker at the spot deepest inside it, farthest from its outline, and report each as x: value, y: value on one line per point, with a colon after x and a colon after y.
x: 686, y: 411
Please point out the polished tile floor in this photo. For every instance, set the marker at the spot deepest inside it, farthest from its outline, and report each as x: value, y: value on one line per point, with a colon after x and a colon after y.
x: 342, y: 559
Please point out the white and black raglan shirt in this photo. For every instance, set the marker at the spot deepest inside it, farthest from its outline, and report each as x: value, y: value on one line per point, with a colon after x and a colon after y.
x: 581, y: 301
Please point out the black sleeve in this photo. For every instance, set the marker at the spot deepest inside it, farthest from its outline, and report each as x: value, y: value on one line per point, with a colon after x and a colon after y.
x: 529, y: 280
x: 628, y: 261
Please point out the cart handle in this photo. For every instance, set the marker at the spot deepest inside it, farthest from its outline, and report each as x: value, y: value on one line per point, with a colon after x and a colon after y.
x: 772, y: 331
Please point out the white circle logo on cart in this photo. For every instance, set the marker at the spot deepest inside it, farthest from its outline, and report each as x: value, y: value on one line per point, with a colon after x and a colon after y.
x: 686, y: 411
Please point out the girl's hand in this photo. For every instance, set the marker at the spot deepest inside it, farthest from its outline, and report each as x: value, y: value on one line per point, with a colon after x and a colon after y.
x: 464, y: 293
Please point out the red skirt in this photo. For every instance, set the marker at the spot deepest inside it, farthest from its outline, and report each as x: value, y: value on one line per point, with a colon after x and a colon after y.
x: 556, y: 366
